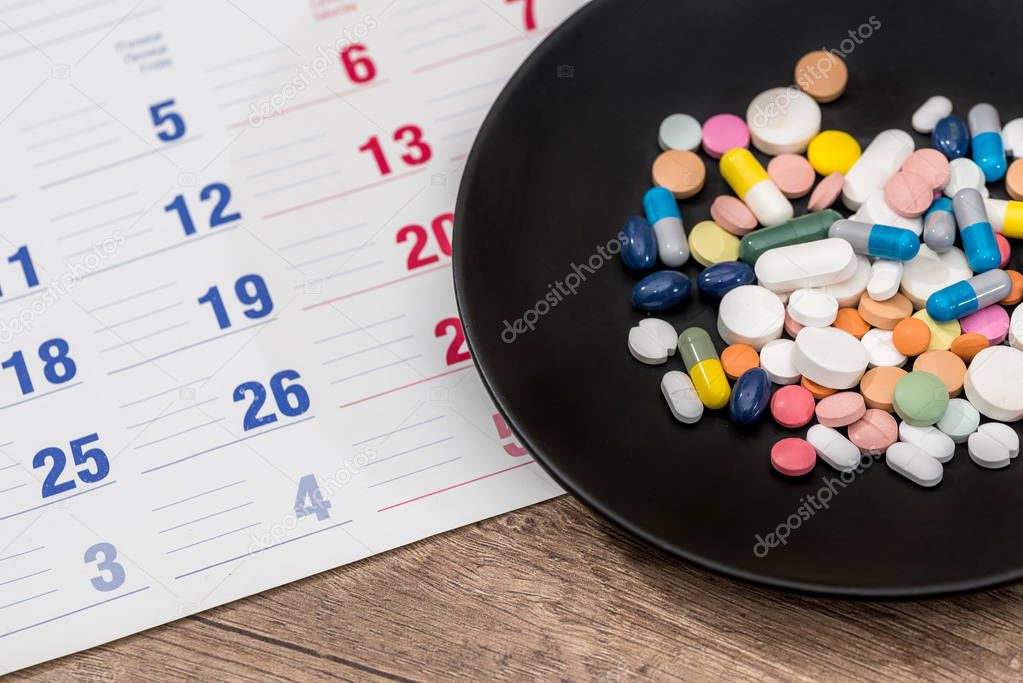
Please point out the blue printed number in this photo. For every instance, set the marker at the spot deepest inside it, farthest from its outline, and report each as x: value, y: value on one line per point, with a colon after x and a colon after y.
x: 58, y: 367
x: 251, y: 291
x: 104, y: 556
x: 219, y: 192
x: 92, y: 464
x: 168, y: 123
x: 291, y: 399
x: 28, y: 269
x: 309, y: 491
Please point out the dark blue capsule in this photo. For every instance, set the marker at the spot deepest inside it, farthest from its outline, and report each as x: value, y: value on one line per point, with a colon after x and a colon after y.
x: 721, y: 278
x: 639, y: 245
x: 660, y: 291
x: 951, y: 137
x: 751, y: 397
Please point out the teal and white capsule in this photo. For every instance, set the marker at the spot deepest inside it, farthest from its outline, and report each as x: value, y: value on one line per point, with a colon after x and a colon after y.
x: 663, y: 214
x: 987, y: 144
x: 940, y: 226
x: 967, y: 296
x: 881, y: 241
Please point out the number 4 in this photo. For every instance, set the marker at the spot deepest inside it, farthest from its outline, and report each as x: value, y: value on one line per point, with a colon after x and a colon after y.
x: 309, y: 490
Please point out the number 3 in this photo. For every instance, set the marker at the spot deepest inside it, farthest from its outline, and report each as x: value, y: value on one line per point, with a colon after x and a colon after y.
x: 107, y: 564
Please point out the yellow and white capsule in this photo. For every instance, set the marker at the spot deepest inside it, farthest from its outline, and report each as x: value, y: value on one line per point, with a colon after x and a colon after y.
x: 750, y: 181
x: 1006, y: 216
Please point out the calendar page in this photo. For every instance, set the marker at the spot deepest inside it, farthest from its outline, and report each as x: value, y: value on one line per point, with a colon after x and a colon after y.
x: 229, y: 350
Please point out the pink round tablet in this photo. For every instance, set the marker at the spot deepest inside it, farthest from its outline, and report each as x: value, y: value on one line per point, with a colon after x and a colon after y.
x: 724, y: 132
x: 792, y: 406
x: 874, y: 432
x: 793, y: 457
x: 1003, y: 248
x: 793, y: 175
x: 841, y: 409
x: 992, y: 322
x: 792, y: 328
x: 929, y: 164
x: 732, y: 214
x: 909, y: 194
x: 826, y: 192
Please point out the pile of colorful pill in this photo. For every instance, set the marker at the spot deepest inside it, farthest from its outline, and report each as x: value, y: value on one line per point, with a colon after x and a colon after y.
x: 890, y: 335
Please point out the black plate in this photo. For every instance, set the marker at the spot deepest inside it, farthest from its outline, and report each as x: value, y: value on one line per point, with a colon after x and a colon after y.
x: 564, y: 157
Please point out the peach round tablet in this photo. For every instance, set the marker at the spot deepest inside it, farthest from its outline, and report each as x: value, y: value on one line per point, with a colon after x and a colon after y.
x: 966, y: 346
x: 911, y: 337
x: 949, y: 368
x: 885, y: 314
x: 908, y: 194
x: 822, y: 75
x: 679, y: 171
x: 816, y: 390
x: 1016, y: 295
x: 929, y: 164
x: 732, y: 214
x: 793, y: 457
x: 878, y: 386
x: 738, y: 358
x: 1014, y: 180
x: 992, y: 322
x: 792, y: 406
x: 1004, y: 250
x: 874, y: 432
x: 792, y: 174
x: 841, y: 409
x: 826, y: 193
x: 723, y: 132
x: 849, y: 320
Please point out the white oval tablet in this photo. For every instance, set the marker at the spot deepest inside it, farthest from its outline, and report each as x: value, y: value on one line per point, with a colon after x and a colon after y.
x: 646, y: 348
x: 915, y: 465
x: 848, y: 292
x: 987, y: 451
x: 875, y: 211
x: 1012, y: 137
x: 930, y: 112
x: 881, y: 160
x: 783, y: 121
x: 830, y: 357
x: 663, y: 332
x: 681, y: 396
x: 994, y: 383
x: 750, y: 315
x: 964, y: 173
x: 833, y: 448
x: 812, y: 308
x: 776, y: 360
x: 680, y: 131
x: 811, y: 264
x: 881, y: 351
x: 1004, y: 434
x: 928, y: 272
x: 930, y: 440
x: 960, y: 420
x: 885, y: 279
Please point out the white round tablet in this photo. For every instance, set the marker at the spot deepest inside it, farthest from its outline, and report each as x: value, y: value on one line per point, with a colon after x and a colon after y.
x: 930, y: 112
x: 929, y: 439
x: 960, y: 420
x: 1012, y: 137
x: 783, y: 121
x: 875, y: 211
x: 963, y: 173
x: 830, y: 357
x: 885, y: 279
x: 994, y: 383
x: 848, y: 291
x: 987, y: 451
x: 1016, y: 329
x: 776, y: 360
x: 750, y: 315
x: 912, y: 463
x: 680, y: 131
x: 1004, y: 434
x: 812, y: 308
x: 928, y: 272
x: 881, y: 351
x: 662, y: 331
x: 646, y: 348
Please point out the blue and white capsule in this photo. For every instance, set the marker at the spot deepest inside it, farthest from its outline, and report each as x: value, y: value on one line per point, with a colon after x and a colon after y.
x: 975, y: 229
x: 968, y: 296
x: 881, y: 241
x: 988, y: 146
x: 663, y: 214
x: 940, y: 226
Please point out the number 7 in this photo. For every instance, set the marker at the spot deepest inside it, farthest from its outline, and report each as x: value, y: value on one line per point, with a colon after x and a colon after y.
x: 530, y: 16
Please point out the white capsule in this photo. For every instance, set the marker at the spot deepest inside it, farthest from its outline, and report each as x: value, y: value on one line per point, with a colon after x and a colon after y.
x: 930, y: 440
x: 930, y: 112
x: 681, y: 397
x: 881, y: 160
x: 811, y: 264
x: 885, y: 279
x: 833, y: 448
x: 914, y: 464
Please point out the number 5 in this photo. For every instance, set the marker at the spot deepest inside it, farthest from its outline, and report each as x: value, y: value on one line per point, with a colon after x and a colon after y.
x: 160, y: 116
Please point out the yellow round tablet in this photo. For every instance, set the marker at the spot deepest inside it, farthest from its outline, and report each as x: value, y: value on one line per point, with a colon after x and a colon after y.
x: 833, y: 151
x: 942, y: 334
x: 709, y: 243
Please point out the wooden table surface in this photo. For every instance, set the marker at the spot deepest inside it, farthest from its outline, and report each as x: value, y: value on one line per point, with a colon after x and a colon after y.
x: 553, y: 592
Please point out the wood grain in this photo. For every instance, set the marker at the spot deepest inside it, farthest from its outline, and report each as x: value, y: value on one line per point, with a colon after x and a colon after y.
x: 553, y: 592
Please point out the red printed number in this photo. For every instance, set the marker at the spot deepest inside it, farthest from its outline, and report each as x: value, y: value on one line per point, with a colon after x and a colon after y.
x: 504, y: 433
x: 440, y: 231
x: 417, y: 152
x: 530, y: 16
x: 359, y: 67
x: 457, y: 353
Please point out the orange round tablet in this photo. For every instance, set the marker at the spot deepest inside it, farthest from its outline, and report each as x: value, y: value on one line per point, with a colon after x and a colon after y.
x: 849, y: 320
x: 793, y: 175
x: 738, y: 358
x: 878, y: 386
x: 947, y: 366
x: 816, y: 390
x: 966, y: 346
x: 822, y: 75
x: 911, y: 337
x: 885, y: 314
x: 1014, y: 180
x: 1016, y: 295
x: 680, y: 171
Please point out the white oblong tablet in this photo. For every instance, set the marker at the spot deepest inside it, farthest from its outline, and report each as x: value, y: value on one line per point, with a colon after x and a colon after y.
x: 964, y: 173
x: 960, y: 420
x: 812, y: 308
x: 830, y: 357
x: 750, y: 315
x: 1012, y: 137
x: 776, y: 360
x: 875, y: 211
x: 987, y: 451
x: 1016, y: 329
x: 930, y: 440
x: 849, y: 291
x: 681, y: 396
x: 930, y: 112
x: 885, y: 279
x: 807, y: 265
x: 833, y: 448
x: 928, y: 272
x: 915, y: 465
x: 881, y: 350
x: 680, y: 131
x: 881, y: 160
x: 662, y: 331
x: 1003, y: 434
x: 783, y: 121
x: 994, y: 383
x: 646, y: 348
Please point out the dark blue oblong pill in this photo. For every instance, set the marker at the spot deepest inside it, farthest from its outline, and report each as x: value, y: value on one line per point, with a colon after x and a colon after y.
x: 751, y: 397
x: 721, y: 278
x: 639, y: 245
x: 660, y: 291
x: 951, y: 137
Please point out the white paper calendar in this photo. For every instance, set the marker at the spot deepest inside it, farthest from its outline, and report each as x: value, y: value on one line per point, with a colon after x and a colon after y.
x: 229, y: 350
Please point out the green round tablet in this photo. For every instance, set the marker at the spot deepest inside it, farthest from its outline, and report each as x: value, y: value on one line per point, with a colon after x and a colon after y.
x: 921, y: 398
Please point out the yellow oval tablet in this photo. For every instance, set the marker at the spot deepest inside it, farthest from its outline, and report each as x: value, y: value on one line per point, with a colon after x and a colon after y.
x: 942, y: 334
x: 709, y: 243
x: 833, y: 151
